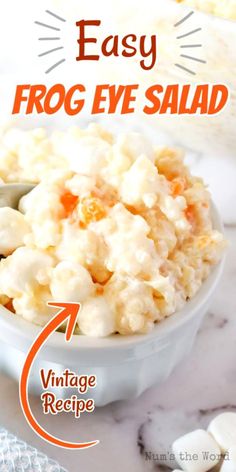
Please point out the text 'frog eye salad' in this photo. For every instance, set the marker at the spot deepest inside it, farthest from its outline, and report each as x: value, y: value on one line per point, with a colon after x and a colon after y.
x: 114, y: 223
x: 223, y: 8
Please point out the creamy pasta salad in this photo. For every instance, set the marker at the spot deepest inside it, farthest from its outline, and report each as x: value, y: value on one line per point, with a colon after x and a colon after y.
x: 223, y: 8
x: 114, y: 223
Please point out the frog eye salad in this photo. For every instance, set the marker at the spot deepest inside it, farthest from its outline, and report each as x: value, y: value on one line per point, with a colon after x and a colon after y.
x: 223, y: 8
x: 114, y: 223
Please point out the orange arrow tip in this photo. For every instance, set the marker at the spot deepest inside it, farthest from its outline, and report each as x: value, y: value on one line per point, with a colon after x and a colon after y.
x: 68, y: 306
x: 68, y: 310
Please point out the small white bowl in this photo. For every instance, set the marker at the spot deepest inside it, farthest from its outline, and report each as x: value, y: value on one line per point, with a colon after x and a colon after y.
x: 125, y: 366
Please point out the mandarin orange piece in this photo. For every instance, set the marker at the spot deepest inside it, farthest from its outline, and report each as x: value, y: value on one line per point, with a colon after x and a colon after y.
x: 69, y: 202
x: 190, y: 214
x: 91, y: 209
x: 177, y: 186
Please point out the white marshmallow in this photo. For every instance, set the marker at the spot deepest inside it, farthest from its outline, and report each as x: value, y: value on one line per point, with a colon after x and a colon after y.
x: 13, y: 229
x: 33, y: 307
x: 81, y: 185
x: 88, y: 155
x: 132, y: 301
x: 141, y: 183
x: 196, y: 451
x: 96, y: 318
x: 71, y: 282
x: 223, y: 430
x: 229, y: 464
x: 23, y: 271
x: 128, y: 246
x: 135, y: 145
x: 174, y: 208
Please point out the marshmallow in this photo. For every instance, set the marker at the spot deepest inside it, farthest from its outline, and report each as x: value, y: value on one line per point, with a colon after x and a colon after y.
x: 24, y: 271
x: 174, y: 208
x: 135, y: 145
x: 33, y: 306
x: 13, y: 229
x: 223, y: 430
x: 196, y: 451
x: 88, y: 155
x: 96, y: 318
x: 147, y: 183
x: 132, y: 301
x: 229, y: 464
x: 71, y: 282
x: 129, y: 249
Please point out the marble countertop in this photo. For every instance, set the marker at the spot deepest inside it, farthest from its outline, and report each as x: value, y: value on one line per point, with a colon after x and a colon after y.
x: 134, y: 434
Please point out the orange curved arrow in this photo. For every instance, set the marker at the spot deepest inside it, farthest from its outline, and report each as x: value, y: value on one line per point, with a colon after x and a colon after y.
x: 70, y: 311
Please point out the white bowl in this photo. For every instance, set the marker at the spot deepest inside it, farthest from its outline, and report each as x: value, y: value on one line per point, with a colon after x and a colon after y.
x: 125, y: 366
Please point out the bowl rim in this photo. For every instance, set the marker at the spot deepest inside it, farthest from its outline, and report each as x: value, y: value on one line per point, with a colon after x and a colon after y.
x: 16, y: 331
